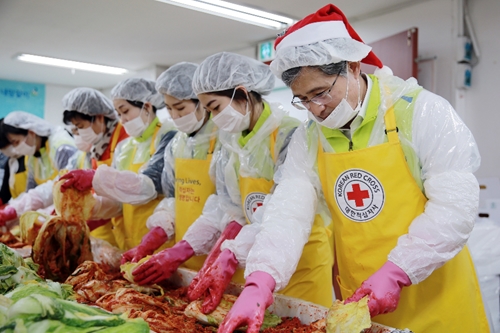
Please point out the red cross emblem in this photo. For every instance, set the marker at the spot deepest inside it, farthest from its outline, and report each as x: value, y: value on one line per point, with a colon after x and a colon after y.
x: 358, y: 195
x: 258, y: 205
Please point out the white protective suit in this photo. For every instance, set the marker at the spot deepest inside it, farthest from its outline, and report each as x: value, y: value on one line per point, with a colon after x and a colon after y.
x: 122, y: 186
x: 446, y: 157
x: 116, y: 182
x: 228, y: 163
x: 59, y: 139
x: 181, y: 146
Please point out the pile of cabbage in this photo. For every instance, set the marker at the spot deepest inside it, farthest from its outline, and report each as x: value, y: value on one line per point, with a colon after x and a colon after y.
x: 62, y: 242
x: 31, y: 304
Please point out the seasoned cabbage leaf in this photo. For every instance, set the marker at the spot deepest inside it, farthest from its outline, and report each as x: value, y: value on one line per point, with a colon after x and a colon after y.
x: 348, y: 318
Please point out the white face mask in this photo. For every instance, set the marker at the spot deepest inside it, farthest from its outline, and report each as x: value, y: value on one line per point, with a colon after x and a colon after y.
x: 88, y: 135
x: 81, y: 144
x: 10, y: 151
x: 23, y: 149
x: 342, y: 114
x: 188, y: 123
x: 136, y: 126
x: 230, y: 120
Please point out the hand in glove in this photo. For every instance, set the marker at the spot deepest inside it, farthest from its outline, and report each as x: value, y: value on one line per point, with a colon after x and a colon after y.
x: 155, y: 238
x: 251, y: 305
x: 7, y: 214
x: 163, y: 264
x: 79, y: 179
x: 215, y: 281
x: 231, y: 231
x: 383, y: 289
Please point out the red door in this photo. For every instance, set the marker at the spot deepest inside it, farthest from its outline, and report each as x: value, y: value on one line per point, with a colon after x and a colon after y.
x: 398, y: 52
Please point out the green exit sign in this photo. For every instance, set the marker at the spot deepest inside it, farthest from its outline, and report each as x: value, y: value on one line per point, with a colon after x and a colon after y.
x: 265, y: 51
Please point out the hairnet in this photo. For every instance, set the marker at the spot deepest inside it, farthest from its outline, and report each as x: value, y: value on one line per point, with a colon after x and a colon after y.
x: 177, y: 81
x: 30, y: 122
x: 226, y: 70
x: 316, y: 54
x: 321, y: 38
x: 90, y: 102
x: 140, y: 90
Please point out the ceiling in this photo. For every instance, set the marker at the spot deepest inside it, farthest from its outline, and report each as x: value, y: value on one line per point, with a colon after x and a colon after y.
x: 136, y: 34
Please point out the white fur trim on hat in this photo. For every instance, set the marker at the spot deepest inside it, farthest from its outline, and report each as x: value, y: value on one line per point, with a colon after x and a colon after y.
x: 314, y: 32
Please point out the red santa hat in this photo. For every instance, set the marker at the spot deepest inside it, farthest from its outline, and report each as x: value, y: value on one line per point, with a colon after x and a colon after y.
x: 328, y: 35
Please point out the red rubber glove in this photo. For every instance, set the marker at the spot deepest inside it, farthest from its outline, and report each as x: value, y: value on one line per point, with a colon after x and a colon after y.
x: 251, y: 305
x: 79, y: 179
x: 383, y: 289
x: 155, y: 238
x: 163, y: 264
x: 7, y: 214
x: 94, y: 224
x: 231, y: 231
x: 215, y: 281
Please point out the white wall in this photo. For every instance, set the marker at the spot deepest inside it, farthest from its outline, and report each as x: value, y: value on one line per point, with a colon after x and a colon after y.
x: 436, y: 31
x: 436, y: 21
x: 481, y: 100
x: 53, y: 105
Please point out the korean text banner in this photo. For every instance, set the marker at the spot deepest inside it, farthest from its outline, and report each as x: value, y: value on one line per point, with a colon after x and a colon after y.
x: 22, y: 96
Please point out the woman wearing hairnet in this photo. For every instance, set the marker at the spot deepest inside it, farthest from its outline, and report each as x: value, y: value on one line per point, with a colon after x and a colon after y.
x: 254, y: 135
x: 186, y: 181
x: 15, y: 170
x: 396, y: 165
x: 98, y: 129
x: 135, y: 176
x: 98, y: 132
x: 48, y: 149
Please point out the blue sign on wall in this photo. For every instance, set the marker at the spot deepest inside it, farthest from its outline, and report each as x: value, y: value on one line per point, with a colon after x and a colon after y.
x: 22, y: 96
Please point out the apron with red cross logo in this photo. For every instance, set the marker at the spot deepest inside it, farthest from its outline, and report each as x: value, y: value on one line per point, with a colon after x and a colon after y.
x: 312, y: 278
x: 373, y: 199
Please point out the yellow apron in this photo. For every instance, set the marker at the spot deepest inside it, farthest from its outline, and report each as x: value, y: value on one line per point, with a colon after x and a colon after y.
x: 130, y: 230
x: 37, y: 167
x: 312, y: 280
x: 193, y: 186
x: 105, y: 232
x: 373, y: 199
x: 20, y: 181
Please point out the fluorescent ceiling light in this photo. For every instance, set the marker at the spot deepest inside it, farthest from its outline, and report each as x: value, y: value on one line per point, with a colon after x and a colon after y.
x: 71, y: 64
x: 235, y: 12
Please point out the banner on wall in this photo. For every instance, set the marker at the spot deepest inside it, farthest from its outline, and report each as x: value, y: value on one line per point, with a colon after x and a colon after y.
x: 22, y: 96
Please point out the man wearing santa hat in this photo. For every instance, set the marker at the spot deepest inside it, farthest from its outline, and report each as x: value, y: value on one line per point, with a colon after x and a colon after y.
x: 395, y: 164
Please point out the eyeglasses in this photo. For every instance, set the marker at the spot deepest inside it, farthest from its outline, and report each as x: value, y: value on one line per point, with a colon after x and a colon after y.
x: 320, y: 99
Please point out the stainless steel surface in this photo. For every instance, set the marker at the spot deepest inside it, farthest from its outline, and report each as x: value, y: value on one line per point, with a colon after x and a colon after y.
x: 283, y: 306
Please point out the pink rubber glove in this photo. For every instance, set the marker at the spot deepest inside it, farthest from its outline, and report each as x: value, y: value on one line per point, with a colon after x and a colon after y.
x: 7, y: 214
x: 215, y: 281
x: 231, y: 231
x: 383, y: 289
x: 251, y: 305
x: 155, y: 238
x: 163, y: 264
x: 79, y: 179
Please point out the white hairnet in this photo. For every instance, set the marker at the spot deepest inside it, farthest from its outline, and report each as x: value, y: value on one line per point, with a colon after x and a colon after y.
x: 223, y: 71
x: 316, y: 54
x: 28, y: 121
x: 177, y: 81
x: 140, y: 90
x: 90, y: 102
